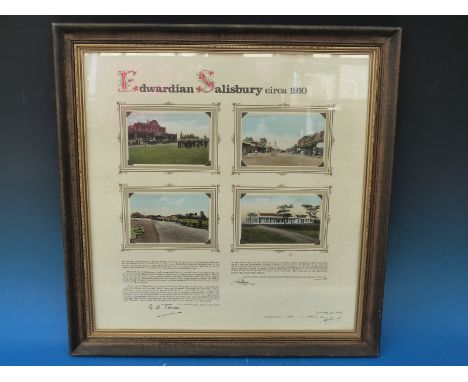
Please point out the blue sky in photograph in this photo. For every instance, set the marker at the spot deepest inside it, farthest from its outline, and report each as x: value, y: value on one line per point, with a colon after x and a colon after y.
x: 283, y: 128
x: 269, y: 203
x: 168, y: 203
x: 189, y: 122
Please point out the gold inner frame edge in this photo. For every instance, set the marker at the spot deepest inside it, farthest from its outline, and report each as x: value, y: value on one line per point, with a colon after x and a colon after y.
x: 375, y: 74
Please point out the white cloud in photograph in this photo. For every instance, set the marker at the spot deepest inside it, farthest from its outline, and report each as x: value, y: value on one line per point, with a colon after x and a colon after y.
x: 169, y: 203
x: 282, y: 130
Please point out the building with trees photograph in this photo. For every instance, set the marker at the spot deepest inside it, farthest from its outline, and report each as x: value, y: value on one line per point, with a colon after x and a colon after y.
x: 168, y: 137
x: 281, y: 219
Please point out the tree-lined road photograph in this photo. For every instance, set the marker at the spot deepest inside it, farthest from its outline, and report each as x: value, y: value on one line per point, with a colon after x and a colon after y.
x: 176, y: 217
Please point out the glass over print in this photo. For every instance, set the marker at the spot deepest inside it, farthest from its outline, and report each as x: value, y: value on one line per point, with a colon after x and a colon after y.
x: 291, y: 106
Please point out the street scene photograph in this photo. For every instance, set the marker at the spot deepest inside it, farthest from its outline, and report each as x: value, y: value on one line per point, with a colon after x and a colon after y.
x: 169, y: 217
x: 280, y: 219
x: 168, y: 137
x: 283, y: 139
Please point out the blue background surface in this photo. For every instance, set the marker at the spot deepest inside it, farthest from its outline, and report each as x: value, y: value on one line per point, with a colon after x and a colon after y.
x: 426, y: 305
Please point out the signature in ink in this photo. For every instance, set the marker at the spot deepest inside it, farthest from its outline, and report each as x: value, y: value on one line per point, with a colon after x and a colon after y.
x: 164, y: 309
x: 242, y: 282
x: 168, y: 314
x: 331, y: 318
x: 324, y: 317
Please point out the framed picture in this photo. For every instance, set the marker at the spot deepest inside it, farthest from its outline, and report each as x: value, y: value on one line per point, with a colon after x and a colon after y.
x: 225, y: 188
x: 283, y: 139
x: 164, y: 138
x: 296, y: 219
x: 169, y: 217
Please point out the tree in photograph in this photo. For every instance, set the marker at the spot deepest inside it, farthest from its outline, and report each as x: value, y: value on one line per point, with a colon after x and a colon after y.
x: 284, y: 211
x: 263, y: 141
x: 250, y: 216
x: 311, y: 211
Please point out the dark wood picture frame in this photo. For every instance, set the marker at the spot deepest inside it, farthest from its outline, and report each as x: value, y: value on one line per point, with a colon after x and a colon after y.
x: 82, y: 339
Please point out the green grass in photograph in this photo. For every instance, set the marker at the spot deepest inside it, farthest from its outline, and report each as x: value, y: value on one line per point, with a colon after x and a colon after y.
x: 303, y: 229
x: 257, y: 234
x: 137, y: 230
x: 168, y: 154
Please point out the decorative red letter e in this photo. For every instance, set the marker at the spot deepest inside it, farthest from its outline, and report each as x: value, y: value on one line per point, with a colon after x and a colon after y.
x: 126, y: 81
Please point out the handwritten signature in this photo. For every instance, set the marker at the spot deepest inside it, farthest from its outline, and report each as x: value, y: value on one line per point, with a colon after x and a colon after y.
x: 165, y: 309
x: 324, y: 317
x: 242, y: 282
x: 331, y: 318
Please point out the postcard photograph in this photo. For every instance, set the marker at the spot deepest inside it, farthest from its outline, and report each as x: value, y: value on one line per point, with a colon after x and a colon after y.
x: 272, y: 219
x: 169, y: 217
x: 161, y: 138
x: 283, y: 139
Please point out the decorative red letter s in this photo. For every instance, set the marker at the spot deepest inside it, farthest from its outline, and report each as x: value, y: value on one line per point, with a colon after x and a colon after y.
x: 205, y: 77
